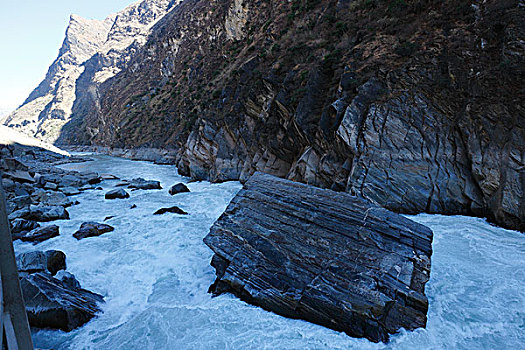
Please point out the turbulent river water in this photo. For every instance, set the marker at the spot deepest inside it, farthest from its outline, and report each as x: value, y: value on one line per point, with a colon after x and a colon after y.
x: 154, y: 273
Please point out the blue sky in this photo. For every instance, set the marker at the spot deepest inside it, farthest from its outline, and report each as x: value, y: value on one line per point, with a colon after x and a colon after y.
x: 31, y: 32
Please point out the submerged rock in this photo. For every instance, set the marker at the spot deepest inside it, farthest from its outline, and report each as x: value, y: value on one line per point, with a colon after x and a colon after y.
x: 41, y: 234
x: 141, y: 184
x: 322, y: 256
x: 52, y: 303
x: 178, y: 188
x: 174, y: 210
x: 117, y: 194
x: 92, y: 229
x: 109, y: 177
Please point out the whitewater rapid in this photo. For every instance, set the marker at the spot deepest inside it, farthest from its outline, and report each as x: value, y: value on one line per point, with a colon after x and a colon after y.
x: 154, y: 273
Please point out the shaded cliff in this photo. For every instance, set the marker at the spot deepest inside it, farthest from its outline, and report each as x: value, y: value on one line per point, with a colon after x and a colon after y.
x: 416, y: 105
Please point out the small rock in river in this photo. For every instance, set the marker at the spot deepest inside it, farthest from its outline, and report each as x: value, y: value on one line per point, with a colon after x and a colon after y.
x: 174, y: 209
x: 92, y: 229
x: 117, y: 193
x: 178, y: 188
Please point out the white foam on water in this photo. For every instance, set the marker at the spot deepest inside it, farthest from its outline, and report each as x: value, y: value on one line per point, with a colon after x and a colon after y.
x: 154, y: 273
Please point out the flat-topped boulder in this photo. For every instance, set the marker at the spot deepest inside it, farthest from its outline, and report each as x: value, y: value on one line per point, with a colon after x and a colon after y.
x: 20, y: 227
x: 323, y: 256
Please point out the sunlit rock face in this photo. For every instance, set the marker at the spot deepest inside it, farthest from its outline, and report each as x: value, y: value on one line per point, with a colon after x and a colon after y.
x: 92, y: 52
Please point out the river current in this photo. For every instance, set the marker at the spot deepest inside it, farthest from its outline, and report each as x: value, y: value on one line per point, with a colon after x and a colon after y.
x: 154, y: 273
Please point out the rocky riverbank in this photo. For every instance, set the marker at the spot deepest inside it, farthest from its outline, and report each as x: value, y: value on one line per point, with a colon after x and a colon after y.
x: 38, y: 193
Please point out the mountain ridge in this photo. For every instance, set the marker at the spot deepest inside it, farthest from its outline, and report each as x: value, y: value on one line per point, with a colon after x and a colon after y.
x: 416, y: 105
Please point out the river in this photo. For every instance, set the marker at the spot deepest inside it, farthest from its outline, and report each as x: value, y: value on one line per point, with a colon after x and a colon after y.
x: 154, y: 273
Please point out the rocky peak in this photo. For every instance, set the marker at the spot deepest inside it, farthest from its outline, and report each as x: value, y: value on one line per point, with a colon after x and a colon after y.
x: 84, y: 37
x: 103, y: 47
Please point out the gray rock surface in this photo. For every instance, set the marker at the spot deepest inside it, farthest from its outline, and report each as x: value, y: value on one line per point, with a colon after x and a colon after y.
x: 51, y: 303
x: 322, y: 256
x: 41, y: 213
x: 68, y: 279
x: 70, y: 191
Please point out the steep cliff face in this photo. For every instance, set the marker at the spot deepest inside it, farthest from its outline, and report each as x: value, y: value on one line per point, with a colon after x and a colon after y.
x: 48, y: 106
x: 415, y: 104
x: 92, y: 52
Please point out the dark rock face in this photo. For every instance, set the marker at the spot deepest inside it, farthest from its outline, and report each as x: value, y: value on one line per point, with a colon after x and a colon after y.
x: 51, y: 303
x: 50, y: 261
x: 41, y: 234
x: 22, y: 226
x: 174, y: 210
x: 326, y: 257
x: 142, y: 184
x: 117, y: 194
x: 178, y: 188
x: 92, y: 229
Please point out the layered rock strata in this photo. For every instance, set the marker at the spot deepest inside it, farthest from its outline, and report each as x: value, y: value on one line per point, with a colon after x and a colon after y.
x: 326, y: 257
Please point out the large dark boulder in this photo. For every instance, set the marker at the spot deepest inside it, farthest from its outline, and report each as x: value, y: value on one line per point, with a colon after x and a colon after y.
x: 322, y: 256
x: 118, y: 193
x: 52, y: 303
x: 142, y: 184
x: 178, y: 188
x: 92, y: 229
